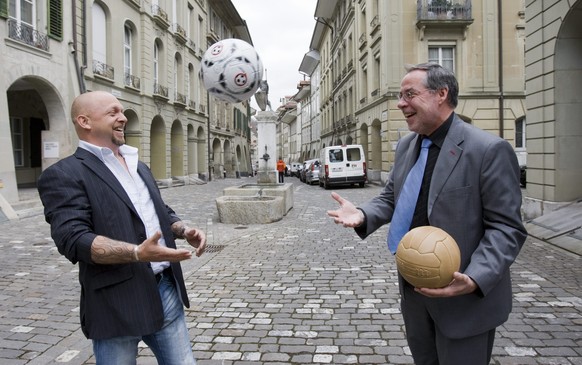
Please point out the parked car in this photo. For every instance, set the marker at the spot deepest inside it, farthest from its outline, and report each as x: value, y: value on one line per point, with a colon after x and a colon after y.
x: 312, y: 173
x: 343, y: 165
x: 294, y: 168
x: 304, y: 169
x: 299, y: 171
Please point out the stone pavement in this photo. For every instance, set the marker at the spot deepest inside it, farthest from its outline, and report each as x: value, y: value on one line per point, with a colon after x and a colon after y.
x: 298, y: 291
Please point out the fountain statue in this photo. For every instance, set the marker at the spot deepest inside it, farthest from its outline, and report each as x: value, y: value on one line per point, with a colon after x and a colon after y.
x: 262, y: 96
x: 266, y: 201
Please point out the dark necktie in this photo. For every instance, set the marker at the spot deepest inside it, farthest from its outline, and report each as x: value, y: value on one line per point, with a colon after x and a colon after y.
x: 406, y: 203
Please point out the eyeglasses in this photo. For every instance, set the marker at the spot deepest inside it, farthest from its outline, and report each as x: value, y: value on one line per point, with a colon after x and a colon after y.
x: 411, y: 94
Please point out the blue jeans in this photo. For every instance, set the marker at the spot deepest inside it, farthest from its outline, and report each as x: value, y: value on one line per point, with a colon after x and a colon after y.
x: 170, y: 345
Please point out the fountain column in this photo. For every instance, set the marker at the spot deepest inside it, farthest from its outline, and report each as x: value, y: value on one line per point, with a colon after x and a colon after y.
x: 267, y: 146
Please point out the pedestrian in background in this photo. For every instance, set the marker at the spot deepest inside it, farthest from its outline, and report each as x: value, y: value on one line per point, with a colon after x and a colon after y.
x: 106, y: 214
x: 470, y: 188
x: 281, y: 170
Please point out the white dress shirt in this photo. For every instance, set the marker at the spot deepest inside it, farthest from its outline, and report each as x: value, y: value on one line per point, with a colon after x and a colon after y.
x: 134, y: 186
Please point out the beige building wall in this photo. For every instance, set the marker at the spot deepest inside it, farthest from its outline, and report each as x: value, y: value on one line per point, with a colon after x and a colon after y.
x: 363, y: 60
x: 171, y: 120
x: 553, y: 62
x: 168, y: 107
x: 38, y: 83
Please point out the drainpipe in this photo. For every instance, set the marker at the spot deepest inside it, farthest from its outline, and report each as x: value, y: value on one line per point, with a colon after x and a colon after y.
x: 208, y: 134
x: 500, y: 63
x: 79, y: 69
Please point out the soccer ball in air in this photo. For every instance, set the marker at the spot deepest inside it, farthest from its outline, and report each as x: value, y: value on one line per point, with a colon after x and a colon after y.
x: 231, y: 70
x: 427, y: 257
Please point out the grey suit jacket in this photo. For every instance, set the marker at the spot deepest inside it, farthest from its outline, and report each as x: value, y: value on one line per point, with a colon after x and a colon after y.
x: 475, y: 196
x: 83, y: 199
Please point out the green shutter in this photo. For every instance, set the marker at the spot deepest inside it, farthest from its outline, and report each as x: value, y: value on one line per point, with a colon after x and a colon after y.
x: 55, y: 19
x: 3, y: 8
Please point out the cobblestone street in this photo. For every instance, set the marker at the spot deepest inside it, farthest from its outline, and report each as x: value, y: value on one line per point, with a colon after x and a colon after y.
x: 298, y: 291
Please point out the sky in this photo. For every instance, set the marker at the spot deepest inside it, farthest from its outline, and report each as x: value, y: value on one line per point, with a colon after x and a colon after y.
x: 281, y: 32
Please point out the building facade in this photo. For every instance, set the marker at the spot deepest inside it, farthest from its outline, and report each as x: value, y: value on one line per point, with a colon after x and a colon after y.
x: 363, y: 46
x: 553, y: 62
x: 147, y: 53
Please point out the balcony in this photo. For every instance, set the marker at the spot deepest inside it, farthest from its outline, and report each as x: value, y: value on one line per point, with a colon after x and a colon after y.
x: 160, y: 91
x: 180, y: 34
x: 192, y: 46
x: 132, y: 81
x: 103, y: 70
x: 160, y: 17
x: 374, y: 25
x: 362, y: 40
x: 192, y: 104
x: 180, y: 99
x: 443, y: 14
x: 28, y: 35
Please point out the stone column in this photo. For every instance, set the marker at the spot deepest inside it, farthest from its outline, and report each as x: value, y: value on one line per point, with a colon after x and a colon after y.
x: 267, y: 146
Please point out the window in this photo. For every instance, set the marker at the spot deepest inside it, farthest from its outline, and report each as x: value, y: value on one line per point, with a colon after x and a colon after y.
x: 354, y: 154
x: 444, y: 56
x: 191, y: 85
x: 520, y: 133
x: 156, y: 62
x: 55, y: 19
x: 22, y: 11
x: 127, y: 37
x: 17, y: 141
x: 176, y: 82
x: 174, y: 12
x: 99, y: 34
x: 336, y: 155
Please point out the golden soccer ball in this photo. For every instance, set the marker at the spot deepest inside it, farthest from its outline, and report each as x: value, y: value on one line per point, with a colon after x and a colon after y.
x: 427, y: 257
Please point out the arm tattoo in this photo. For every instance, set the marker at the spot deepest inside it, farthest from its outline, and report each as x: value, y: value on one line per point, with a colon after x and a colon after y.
x: 108, y: 251
x: 178, y: 229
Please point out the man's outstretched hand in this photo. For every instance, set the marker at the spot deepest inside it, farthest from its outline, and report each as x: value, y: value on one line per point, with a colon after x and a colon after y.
x: 197, y: 239
x: 151, y: 251
x: 347, y: 214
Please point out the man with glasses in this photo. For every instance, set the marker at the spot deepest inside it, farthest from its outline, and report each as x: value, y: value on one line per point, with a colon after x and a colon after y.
x: 470, y: 188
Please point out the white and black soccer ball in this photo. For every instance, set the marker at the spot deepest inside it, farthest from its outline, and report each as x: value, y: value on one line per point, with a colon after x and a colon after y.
x: 231, y: 70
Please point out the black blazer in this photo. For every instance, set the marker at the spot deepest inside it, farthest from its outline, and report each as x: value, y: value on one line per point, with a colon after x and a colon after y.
x: 83, y: 199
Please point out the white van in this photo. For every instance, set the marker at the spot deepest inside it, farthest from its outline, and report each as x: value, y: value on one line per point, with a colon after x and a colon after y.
x: 294, y: 168
x: 342, y: 165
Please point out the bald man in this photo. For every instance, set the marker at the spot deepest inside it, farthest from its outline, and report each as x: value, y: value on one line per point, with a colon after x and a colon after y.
x: 106, y: 214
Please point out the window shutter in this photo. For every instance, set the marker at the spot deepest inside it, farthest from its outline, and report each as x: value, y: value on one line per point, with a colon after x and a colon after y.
x: 55, y: 19
x: 3, y: 8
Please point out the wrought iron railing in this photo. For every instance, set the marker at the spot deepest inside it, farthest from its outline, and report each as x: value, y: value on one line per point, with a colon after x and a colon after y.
x: 160, y: 90
x: 26, y: 34
x: 103, y: 69
x: 362, y: 39
x: 443, y: 9
x: 159, y: 12
x: 180, y: 30
x: 375, y: 22
x: 180, y: 98
x: 132, y: 81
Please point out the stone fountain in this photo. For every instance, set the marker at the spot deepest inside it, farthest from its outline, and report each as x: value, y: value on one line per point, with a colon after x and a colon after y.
x: 266, y: 201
